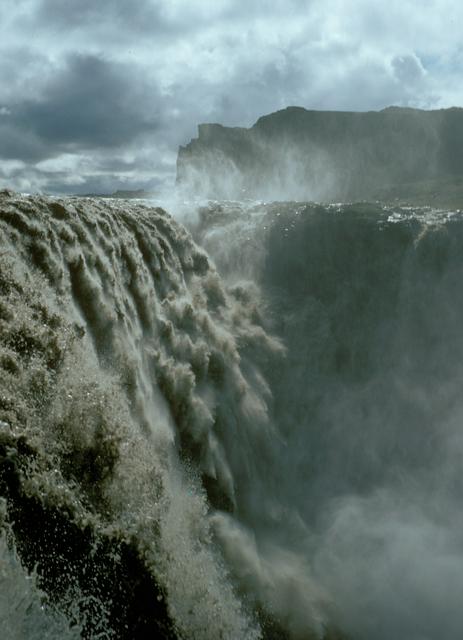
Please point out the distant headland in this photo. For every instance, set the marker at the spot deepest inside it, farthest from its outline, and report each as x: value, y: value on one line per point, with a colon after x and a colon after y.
x: 396, y: 153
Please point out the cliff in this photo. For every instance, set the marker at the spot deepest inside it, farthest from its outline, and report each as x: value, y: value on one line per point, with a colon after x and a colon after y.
x: 321, y: 155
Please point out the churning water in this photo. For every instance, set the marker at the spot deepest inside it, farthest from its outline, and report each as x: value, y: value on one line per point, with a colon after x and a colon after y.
x: 246, y: 427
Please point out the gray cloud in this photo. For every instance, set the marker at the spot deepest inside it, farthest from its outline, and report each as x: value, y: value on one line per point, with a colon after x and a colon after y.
x: 408, y: 69
x: 18, y: 143
x: 91, y: 102
x: 127, y: 17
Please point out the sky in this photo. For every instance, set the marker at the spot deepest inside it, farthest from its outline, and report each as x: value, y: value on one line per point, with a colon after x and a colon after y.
x: 97, y: 95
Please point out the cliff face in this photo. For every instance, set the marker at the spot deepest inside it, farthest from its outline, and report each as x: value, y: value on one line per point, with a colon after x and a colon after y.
x: 300, y: 154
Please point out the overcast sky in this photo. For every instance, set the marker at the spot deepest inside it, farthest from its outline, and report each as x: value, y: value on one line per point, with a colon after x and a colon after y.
x: 96, y: 95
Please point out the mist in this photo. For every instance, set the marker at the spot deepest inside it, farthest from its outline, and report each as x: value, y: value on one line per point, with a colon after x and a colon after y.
x: 361, y: 524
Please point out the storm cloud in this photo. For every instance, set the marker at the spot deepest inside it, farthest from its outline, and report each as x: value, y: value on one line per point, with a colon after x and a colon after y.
x: 107, y: 91
x: 89, y: 102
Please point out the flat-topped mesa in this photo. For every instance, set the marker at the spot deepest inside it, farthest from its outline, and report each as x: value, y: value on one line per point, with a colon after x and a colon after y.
x: 323, y: 155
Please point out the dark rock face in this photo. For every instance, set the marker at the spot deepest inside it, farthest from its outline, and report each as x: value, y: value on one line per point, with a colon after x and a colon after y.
x: 300, y: 154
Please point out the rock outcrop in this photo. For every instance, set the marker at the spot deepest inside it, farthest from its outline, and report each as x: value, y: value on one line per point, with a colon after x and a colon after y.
x: 322, y: 155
